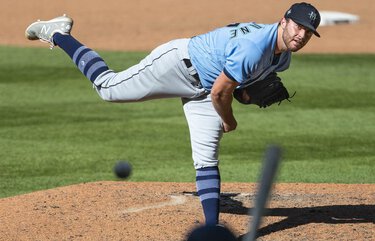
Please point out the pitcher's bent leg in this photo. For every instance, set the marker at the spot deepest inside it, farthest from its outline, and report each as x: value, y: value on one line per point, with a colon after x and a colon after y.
x: 205, y: 134
x: 205, y: 128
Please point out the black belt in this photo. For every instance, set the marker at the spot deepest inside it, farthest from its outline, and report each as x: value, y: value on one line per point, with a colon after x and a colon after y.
x: 188, y: 65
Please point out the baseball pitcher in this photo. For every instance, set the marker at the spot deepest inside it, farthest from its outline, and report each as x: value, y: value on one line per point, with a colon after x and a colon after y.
x: 239, y: 60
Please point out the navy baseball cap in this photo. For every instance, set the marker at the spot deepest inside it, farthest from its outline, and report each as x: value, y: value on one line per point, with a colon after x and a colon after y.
x: 306, y: 15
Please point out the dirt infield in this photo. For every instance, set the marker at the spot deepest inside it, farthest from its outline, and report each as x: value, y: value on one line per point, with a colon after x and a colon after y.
x: 135, y: 211
x: 142, y: 25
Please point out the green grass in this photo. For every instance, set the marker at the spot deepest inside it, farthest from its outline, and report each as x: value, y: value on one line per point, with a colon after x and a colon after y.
x: 55, y: 130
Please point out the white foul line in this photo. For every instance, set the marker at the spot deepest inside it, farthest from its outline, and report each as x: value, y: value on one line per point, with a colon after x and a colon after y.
x: 175, y: 200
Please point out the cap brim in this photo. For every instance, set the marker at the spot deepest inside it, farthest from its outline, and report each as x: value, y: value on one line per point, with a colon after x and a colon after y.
x: 308, y: 26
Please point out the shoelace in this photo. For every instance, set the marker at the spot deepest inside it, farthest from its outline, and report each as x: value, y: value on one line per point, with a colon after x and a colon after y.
x: 51, y: 44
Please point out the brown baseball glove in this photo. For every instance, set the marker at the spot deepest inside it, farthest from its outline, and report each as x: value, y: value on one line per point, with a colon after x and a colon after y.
x: 264, y: 92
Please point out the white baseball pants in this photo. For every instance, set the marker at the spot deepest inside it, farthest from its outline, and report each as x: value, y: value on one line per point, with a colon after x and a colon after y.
x: 163, y: 74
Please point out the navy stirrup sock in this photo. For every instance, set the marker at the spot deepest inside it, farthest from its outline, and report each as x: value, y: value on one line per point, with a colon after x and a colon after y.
x: 87, y: 60
x: 208, y: 187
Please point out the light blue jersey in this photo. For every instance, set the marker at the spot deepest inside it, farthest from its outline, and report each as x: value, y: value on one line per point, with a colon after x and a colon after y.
x: 244, y: 51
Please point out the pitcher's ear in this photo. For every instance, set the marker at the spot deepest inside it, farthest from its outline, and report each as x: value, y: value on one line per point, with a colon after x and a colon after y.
x: 283, y: 23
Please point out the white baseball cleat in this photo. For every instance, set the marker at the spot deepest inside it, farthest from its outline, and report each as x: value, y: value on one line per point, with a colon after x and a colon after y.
x: 44, y: 30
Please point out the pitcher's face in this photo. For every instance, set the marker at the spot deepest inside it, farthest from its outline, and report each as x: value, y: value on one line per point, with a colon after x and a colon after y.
x: 295, y: 36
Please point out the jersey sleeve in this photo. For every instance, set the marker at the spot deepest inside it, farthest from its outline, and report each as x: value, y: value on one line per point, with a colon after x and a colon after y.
x: 242, y: 58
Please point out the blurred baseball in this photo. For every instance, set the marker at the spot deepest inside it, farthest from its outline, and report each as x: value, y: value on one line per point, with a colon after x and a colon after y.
x: 211, y: 233
x: 123, y: 169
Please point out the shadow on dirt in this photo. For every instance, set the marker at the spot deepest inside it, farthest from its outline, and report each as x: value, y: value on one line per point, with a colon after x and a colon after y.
x: 294, y: 217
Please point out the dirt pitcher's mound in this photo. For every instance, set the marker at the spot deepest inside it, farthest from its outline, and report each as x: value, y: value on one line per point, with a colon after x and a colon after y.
x: 168, y: 211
